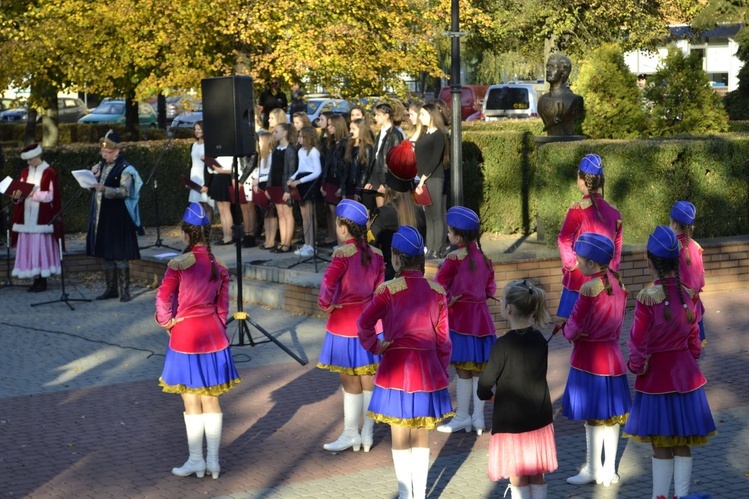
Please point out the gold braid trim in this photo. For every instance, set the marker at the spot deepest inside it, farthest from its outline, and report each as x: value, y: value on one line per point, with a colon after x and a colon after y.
x: 370, y: 235
x: 621, y: 419
x: 652, y: 296
x: 345, y: 251
x: 376, y: 251
x: 458, y: 254
x: 583, y: 204
x: 213, y: 391
x: 367, y: 370
x: 394, y: 286
x: 618, y: 224
x: 469, y: 366
x: 689, y: 291
x: 437, y: 287
x: 672, y: 441
x: 182, y: 262
x: 592, y: 288
x: 426, y: 423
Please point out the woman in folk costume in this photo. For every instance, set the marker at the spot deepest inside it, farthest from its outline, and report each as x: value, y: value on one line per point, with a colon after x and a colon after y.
x: 33, y: 235
x: 192, y: 304
x: 597, y: 390
x: 670, y: 409
x: 347, y: 287
x: 410, y: 392
x: 468, y: 278
x: 590, y: 214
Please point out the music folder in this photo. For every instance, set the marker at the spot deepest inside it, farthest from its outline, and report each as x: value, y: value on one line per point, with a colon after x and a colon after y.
x: 8, y: 186
x: 190, y: 184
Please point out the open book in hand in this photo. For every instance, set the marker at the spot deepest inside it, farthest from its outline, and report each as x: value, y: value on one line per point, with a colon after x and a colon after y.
x: 85, y: 178
x: 8, y: 186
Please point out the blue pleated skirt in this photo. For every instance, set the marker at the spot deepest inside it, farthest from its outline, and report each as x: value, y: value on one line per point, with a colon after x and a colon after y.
x: 671, y: 419
x: 602, y: 398
x: 471, y: 352
x: 201, y: 373
x: 346, y: 355
x: 567, y: 302
x: 413, y: 410
x: 702, y: 332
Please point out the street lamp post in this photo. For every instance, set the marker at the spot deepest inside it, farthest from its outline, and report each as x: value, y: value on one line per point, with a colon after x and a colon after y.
x: 456, y: 136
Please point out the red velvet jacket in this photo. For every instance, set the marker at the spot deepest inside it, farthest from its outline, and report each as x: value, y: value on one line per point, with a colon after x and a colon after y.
x: 46, y: 208
x: 582, y: 217
x: 413, y: 311
x: 200, y: 305
x: 662, y: 353
x: 692, y: 274
x: 594, y: 327
x: 349, y: 285
x: 469, y: 314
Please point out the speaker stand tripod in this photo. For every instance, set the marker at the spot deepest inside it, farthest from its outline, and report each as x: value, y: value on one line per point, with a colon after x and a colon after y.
x: 152, y: 180
x: 8, y: 282
x: 240, y: 316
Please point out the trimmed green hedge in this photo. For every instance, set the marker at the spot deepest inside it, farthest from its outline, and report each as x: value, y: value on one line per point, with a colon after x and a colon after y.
x: 644, y: 178
x: 173, y: 158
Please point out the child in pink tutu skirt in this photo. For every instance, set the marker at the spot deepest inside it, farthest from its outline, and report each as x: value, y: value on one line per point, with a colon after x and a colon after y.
x: 522, y: 446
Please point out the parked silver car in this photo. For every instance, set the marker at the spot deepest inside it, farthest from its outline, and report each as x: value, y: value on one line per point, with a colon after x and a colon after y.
x: 69, y: 110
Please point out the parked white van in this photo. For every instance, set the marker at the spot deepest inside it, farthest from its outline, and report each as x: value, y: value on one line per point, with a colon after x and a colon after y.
x: 512, y: 100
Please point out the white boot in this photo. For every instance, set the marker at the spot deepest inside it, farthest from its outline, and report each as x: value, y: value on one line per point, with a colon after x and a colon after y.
x: 610, y: 445
x: 663, y: 471
x: 402, y: 464
x: 462, y: 419
x: 214, y: 423
x: 195, y: 463
x: 594, y: 443
x: 523, y: 492
x: 477, y: 419
x: 352, y: 405
x: 367, y: 427
x: 682, y: 475
x: 538, y: 491
x: 419, y: 471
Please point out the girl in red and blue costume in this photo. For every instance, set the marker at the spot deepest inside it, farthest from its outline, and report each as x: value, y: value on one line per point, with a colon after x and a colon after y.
x: 590, y: 214
x: 597, y: 390
x: 192, y: 304
x: 410, y: 392
x: 468, y: 278
x: 670, y: 409
x: 346, y: 290
x: 691, y: 269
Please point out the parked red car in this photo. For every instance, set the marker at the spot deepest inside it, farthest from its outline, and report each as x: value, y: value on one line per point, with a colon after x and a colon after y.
x: 471, y: 99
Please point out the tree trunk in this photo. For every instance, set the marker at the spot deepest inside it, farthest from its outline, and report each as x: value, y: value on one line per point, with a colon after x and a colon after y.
x: 50, y: 118
x: 132, y: 124
x: 161, y: 111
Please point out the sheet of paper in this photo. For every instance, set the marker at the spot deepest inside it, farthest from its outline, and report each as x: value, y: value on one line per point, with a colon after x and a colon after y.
x: 168, y: 254
x: 5, y: 184
x: 85, y: 178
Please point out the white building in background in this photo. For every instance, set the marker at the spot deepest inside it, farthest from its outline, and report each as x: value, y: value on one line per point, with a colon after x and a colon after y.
x: 716, y: 46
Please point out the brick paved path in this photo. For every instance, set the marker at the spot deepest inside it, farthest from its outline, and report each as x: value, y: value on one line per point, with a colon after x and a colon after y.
x: 81, y: 414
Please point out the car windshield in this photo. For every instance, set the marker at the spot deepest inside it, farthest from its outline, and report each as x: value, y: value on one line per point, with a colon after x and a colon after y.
x: 110, y: 108
x: 508, y: 98
x: 313, y: 105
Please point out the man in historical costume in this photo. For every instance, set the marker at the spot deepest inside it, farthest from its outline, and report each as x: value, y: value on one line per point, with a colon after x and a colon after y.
x: 114, y: 217
x: 33, y: 235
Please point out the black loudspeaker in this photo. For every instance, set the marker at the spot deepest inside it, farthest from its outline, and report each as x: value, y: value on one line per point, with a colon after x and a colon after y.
x: 228, y: 116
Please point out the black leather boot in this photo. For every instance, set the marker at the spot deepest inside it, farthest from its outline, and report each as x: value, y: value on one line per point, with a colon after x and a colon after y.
x: 249, y: 241
x: 111, y: 277
x: 42, y: 286
x: 123, y: 283
x: 34, y: 287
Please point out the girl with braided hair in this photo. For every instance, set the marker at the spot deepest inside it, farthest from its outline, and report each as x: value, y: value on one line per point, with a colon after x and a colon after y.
x: 597, y: 390
x: 192, y: 304
x: 691, y: 269
x: 670, y: 409
x: 346, y: 289
x: 468, y: 278
x: 590, y: 214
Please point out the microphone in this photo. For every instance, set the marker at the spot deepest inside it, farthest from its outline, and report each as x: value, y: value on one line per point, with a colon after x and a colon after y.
x: 346, y: 137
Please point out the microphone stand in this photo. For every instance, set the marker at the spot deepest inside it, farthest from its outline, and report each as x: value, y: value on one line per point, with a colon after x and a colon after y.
x: 8, y: 282
x: 152, y: 177
x: 242, y: 317
x: 64, y: 298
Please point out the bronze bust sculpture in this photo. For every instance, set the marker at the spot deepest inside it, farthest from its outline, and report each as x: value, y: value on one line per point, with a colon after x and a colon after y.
x: 559, y: 108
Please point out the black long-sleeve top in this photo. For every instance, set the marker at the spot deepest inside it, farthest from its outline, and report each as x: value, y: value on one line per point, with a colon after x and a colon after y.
x: 517, y: 367
x: 430, y: 149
